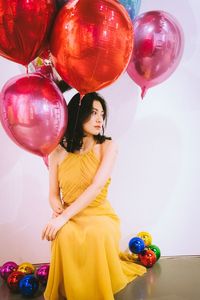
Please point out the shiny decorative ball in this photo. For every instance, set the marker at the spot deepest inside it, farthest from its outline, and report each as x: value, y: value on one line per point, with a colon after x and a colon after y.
x: 13, y: 281
x: 26, y: 268
x: 147, y: 238
x: 136, y: 245
x: 7, y: 269
x: 147, y: 258
x: 156, y: 250
x: 28, y: 285
x: 42, y: 274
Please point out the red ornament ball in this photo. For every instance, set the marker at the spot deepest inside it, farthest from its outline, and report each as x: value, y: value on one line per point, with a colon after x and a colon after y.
x: 13, y: 281
x: 147, y: 258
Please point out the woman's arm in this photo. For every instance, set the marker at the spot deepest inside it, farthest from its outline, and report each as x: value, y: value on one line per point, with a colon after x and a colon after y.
x: 54, y: 191
x: 109, y: 154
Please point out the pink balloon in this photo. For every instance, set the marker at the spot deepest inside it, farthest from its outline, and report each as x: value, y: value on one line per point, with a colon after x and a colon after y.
x: 33, y: 113
x: 158, y: 48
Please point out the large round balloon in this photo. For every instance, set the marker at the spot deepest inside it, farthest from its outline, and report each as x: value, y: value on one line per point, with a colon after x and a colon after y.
x: 132, y: 7
x: 91, y: 43
x: 157, y: 50
x: 33, y: 112
x: 24, y: 26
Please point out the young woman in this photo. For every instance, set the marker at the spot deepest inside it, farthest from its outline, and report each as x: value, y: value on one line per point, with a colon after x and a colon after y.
x: 84, y: 229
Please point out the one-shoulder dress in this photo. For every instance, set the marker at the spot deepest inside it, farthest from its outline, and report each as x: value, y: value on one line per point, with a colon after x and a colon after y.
x: 85, y: 257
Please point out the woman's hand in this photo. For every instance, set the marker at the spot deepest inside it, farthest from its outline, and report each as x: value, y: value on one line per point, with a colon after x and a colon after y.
x: 57, y: 207
x: 53, y: 226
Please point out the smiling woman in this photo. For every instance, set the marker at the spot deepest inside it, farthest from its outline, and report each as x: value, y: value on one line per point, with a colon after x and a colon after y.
x: 84, y: 229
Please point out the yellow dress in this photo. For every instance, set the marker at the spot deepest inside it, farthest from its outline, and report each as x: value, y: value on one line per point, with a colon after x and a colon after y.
x: 86, y: 263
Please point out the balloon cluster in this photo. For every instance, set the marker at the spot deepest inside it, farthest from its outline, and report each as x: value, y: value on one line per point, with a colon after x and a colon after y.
x: 143, y: 250
x: 24, y: 278
x: 79, y: 44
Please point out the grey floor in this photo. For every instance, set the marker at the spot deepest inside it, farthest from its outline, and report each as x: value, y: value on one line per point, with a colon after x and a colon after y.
x: 171, y: 278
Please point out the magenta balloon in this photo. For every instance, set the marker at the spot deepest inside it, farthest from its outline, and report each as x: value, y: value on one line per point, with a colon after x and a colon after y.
x: 158, y: 48
x: 33, y: 113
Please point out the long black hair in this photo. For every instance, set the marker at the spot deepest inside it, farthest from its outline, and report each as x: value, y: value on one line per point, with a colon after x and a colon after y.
x: 77, y: 115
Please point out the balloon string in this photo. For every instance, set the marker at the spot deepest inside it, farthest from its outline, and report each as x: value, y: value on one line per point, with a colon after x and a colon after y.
x: 81, y: 97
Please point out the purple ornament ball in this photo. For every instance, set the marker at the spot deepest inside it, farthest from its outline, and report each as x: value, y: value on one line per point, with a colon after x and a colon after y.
x: 7, y: 269
x: 42, y: 274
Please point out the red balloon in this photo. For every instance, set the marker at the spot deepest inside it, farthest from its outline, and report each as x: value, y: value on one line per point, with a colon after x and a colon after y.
x: 147, y: 258
x: 13, y: 280
x: 33, y: 112
x: 24, y: 26
x: 91, y: 43
x: 157, y: 50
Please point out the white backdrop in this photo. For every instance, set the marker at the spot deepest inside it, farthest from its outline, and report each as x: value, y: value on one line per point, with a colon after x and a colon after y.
x: 155, y: 184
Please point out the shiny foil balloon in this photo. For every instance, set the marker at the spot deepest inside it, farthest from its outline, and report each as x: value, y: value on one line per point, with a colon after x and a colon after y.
x: 91, y: 43
x: 26, y: 268
x: 147, y: 258
x: 136, y: 245
x: 29, y: 285
x: 158, y: 48
x: 156, y: 250
x: 132, y: 7
x: 147, y: 238
x: 33, y: 112
x: 42, y: 274
x: 13, y: 281
x: 24, y: 26
x: 7, y: 269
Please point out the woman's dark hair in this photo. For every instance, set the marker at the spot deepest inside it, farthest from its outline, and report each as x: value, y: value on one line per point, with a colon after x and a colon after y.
x: 77, y: 115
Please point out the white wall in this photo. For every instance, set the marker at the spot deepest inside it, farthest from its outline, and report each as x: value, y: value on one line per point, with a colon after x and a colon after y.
x: 155, y: 185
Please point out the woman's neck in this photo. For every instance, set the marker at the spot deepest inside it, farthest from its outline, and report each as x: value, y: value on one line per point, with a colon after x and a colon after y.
x: 88, y: 143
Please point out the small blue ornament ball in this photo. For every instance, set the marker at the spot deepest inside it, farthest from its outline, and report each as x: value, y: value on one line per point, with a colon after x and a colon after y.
x: 28, y: 285
x: 136, y: 245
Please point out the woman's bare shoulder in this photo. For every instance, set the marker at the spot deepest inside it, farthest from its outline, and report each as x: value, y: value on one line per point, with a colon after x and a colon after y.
x: 57, y: 154
x: 109, y: 145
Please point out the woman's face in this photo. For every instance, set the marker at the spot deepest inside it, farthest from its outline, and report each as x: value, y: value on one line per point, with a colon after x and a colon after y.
x: 93, y: 126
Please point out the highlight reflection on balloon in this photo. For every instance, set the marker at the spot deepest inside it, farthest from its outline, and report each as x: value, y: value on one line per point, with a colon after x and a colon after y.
x: 33, y: 112
x: 157, y: 50
x: 91, y: 43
